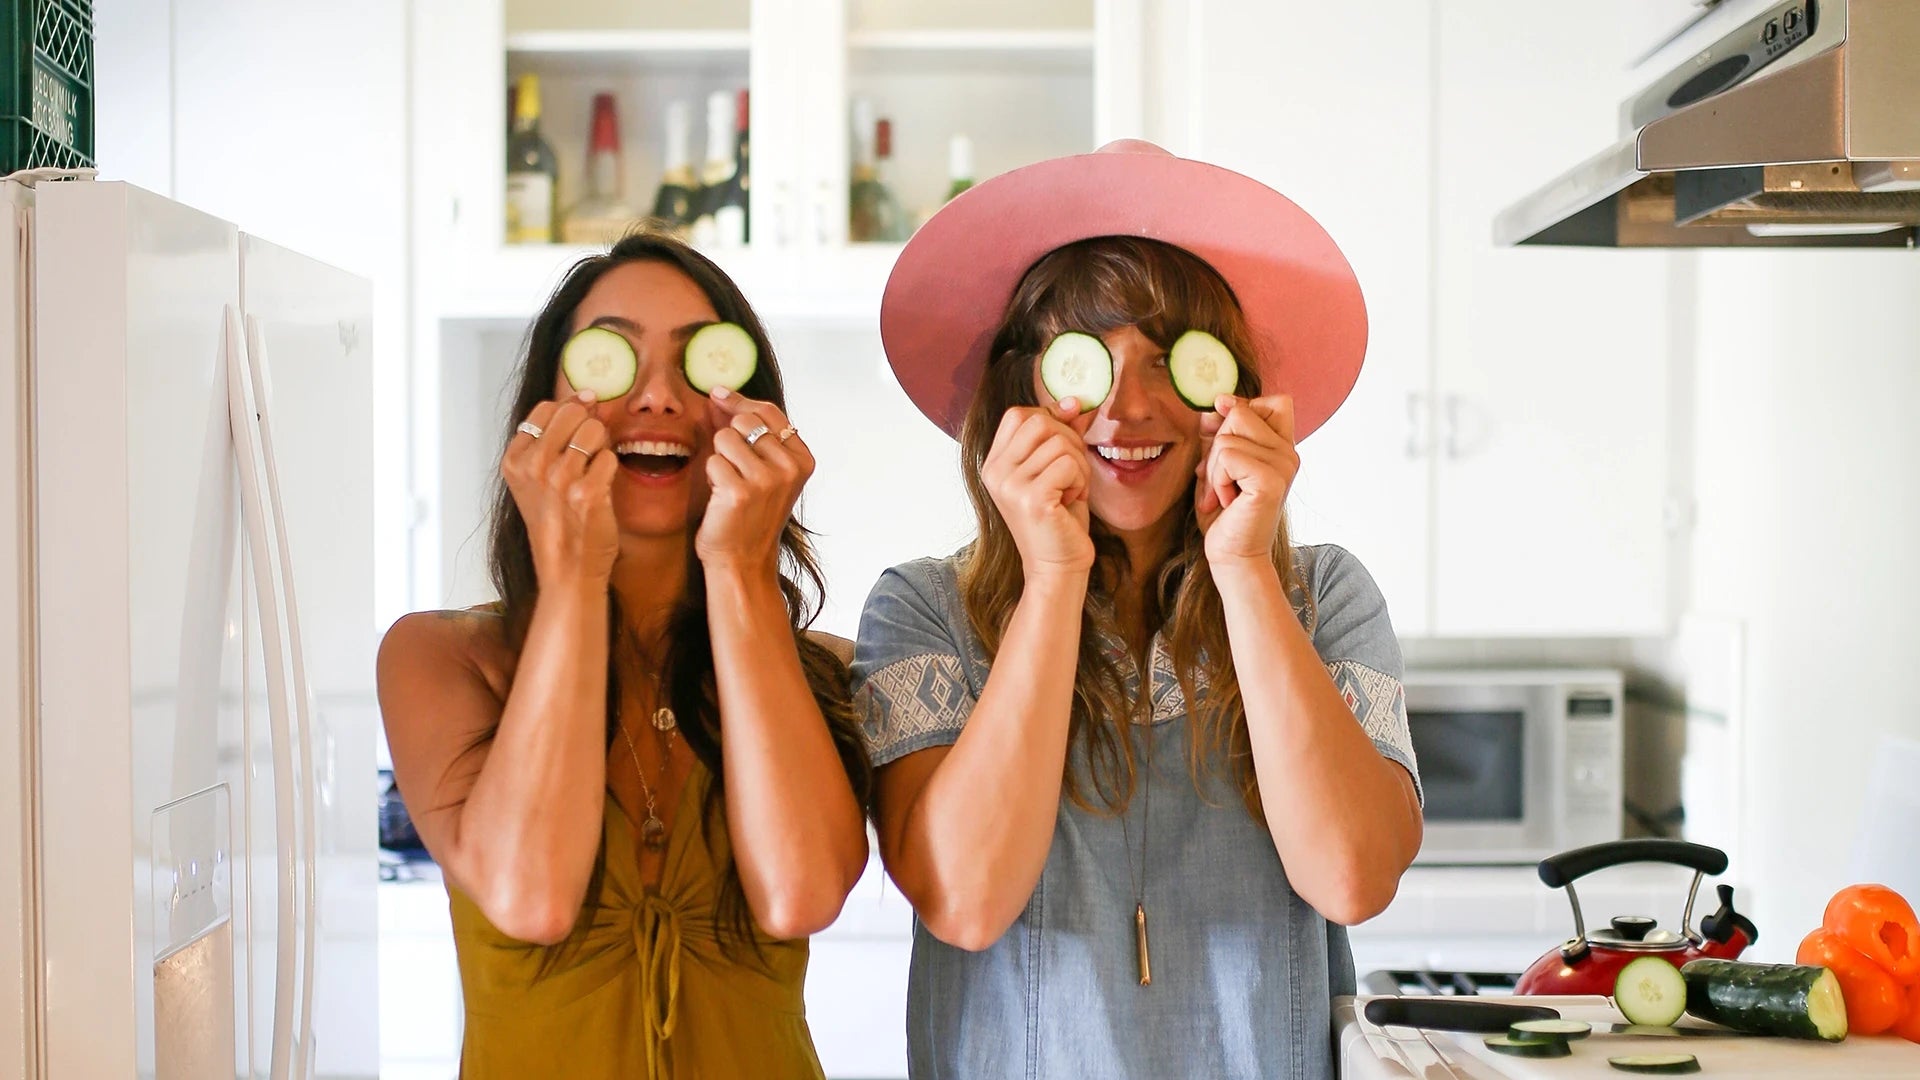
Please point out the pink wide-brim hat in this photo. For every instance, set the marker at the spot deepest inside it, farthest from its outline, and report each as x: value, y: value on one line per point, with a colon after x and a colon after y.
x: 952, y: 283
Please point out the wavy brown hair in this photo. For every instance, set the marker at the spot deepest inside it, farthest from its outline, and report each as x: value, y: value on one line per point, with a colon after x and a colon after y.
x: 1094, y: 286
x: 687, y: 673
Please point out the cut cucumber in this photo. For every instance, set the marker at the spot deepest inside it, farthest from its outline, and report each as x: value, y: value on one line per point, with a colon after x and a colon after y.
x: 1202, y: 369
x: 1077, y: 366
x: 599, y: 360
x: 1530, y: 1048
x: 1543, y: 1030
x: 1799, y: 1001
x: 1650, y: 991
x: 1658, y: 1064
x: 721, y: 354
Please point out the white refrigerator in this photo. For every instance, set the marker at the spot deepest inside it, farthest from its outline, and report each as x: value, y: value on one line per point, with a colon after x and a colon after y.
x: 187, y: 644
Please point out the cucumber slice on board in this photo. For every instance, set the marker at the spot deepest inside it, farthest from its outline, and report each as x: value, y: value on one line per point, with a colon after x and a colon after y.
x: 1202, y: 369
x: 1546, y: 1030
x: 1650, y: 991
x: 1530, y: 1048
x: 721, y: 354
x: 599, y: 360
x: 1799, y: 1001
x: 1657, y: 1064
x: 1077, y: 366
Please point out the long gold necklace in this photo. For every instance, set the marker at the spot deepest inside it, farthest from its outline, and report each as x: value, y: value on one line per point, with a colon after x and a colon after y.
x: 653, y: 831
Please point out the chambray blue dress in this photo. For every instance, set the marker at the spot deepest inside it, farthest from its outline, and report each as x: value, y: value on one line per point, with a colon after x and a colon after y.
x: 1244, y: 970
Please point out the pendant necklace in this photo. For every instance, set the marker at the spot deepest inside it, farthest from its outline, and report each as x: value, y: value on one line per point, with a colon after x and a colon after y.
x: 653, y: 831
x: 1140, y: 889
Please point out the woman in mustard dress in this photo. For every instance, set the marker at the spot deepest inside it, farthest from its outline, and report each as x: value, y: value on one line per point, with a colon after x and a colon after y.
x: 639, y: 773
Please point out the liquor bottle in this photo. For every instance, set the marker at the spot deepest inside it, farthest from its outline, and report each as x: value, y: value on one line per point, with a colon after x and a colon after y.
x: 873, y: 213
x: 604, y: 215
x: 722, y: 221
x: 959, y: 165
x: 674, y: 205
x: 533, y: 174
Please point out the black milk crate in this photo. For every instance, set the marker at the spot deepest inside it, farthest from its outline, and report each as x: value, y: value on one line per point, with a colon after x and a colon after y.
x: 46, y: 94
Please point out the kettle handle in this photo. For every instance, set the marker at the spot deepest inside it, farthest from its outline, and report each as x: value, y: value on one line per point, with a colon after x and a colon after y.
x: 1562, y: 870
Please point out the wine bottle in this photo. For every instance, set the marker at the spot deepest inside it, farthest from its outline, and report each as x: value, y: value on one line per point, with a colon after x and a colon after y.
x: 722, y: 221
x: 873, y: 213
x: 674, y: 205
x: 604, y: 215
x: 959, y: 165
x: 533, y: 173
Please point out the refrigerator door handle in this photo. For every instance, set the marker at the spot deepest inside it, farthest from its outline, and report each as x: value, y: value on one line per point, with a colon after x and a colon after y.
x: 302, y: 692
x: 253, y: 514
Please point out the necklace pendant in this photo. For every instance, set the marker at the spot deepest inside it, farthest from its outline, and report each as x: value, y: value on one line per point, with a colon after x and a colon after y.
x: 1140, y: 938
x: 653, y: 832
x: 664, y: 720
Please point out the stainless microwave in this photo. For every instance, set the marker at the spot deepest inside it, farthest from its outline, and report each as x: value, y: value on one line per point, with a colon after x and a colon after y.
x: 1516, y: 764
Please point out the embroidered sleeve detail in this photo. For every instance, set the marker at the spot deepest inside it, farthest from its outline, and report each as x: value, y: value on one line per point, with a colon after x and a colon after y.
x: 1378, y: 701
x: 912, y: 699
x: 1169, y: 702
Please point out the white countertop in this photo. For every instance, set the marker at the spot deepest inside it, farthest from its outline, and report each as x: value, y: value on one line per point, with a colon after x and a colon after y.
x: 1369, y: 1052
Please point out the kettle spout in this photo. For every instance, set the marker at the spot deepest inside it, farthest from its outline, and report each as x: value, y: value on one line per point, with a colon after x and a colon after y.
x: 1727, y: 932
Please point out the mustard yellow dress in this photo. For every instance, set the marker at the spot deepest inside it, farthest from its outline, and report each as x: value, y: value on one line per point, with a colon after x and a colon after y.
x: 641, y: 990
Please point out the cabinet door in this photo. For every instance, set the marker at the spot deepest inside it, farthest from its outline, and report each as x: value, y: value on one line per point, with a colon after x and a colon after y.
x: 1331, y: 106
x: 1551, y: 365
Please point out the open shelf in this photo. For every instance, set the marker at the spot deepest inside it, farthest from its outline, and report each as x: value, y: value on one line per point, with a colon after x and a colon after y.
x: 603, y: 51
x: 1049, y: 50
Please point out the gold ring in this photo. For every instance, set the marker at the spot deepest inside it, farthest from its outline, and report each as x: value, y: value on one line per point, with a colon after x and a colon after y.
x: 582, y: 449
x: 789, y: 432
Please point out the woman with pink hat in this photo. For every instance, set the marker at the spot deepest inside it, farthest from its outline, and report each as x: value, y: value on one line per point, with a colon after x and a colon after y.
x: 1140, y: 759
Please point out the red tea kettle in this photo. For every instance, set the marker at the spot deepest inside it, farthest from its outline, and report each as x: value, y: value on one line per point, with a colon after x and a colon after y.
x: 1591, y: 962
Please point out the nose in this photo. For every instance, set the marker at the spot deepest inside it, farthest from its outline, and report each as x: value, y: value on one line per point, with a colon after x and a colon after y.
x: 1129, y: 399
x: 656, y: 389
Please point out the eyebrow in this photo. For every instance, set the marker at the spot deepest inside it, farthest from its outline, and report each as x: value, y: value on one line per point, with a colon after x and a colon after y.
x: 622, y: 323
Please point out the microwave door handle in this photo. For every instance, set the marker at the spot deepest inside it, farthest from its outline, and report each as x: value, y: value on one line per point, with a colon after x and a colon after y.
x: 302, y: 693
x: 253, y: 513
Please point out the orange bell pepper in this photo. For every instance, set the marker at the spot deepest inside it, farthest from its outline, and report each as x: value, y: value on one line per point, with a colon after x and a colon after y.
x: 1908, y: 1026
x: 1881, y: 926
x: 1874, y: 1001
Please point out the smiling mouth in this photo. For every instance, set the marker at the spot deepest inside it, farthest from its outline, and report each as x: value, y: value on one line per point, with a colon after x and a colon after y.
x: 1129, y: 454
x: 653, y: 458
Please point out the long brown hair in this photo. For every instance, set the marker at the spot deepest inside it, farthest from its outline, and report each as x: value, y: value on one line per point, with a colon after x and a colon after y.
x: 1095, y: 286
x: 687, y: 675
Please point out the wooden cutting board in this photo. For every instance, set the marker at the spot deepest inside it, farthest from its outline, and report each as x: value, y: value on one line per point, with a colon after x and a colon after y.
x: 1869, y: 1057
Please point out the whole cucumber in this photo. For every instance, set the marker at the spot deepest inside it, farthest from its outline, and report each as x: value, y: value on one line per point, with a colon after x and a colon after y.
x: 1798, y: 1001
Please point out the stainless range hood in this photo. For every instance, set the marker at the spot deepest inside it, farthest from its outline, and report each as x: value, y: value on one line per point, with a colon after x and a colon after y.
x: 1801, y: 128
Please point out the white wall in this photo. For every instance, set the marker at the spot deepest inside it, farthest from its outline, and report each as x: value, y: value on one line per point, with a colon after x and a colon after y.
x: 1808, y: 386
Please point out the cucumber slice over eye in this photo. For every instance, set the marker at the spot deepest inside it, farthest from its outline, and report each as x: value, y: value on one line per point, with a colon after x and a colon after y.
x: 1078, y: 366
x: 1650, y: 991
x: 1546, y: 1030
x: 721, y: 354
x: 1202, y: 369
x: 1657, y: 1064
x: 599, y: 360
x: 1530, y: 1048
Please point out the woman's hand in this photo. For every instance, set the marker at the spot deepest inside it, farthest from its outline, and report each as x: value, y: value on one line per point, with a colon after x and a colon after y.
x: 1246, y: 468
x: 562, y: 481
x: 1038, y: 477
x: 754, y: 485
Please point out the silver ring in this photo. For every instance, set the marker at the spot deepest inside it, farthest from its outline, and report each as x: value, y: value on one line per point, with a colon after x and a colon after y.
x: 582, y: 449
x: 528, y: 427
x: 755, y: 435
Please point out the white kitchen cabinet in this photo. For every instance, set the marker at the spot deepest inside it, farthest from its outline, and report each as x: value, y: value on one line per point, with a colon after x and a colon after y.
x: 1502, y: 466
x: 1551, y: 411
